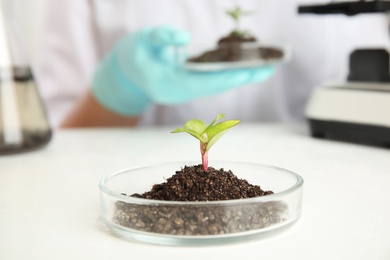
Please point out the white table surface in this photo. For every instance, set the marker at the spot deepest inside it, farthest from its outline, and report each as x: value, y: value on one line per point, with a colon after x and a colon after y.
x: 49, y: 199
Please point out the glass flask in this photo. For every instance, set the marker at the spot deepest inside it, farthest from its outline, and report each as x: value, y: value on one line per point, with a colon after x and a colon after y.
x: 24, y: 124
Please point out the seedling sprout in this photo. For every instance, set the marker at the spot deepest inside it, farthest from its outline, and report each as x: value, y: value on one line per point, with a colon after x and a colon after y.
x: 236, y: 14
x: 207, y: 136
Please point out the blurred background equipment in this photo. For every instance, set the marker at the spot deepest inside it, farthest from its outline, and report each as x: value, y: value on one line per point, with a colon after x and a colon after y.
x: 23, y: 122
x: 358, y: 109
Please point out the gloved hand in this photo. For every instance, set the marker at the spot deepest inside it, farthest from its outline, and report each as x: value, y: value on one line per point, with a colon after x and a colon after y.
x: 140, y: 70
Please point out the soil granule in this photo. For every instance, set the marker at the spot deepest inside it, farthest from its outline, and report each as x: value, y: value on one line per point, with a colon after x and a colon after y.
x: 192, y: 184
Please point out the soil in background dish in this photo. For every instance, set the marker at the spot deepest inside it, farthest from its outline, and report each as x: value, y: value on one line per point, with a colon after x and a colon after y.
x: 234, y: 38
x: 192, y: 184
x: 230, y: 54
x: 230, y: 48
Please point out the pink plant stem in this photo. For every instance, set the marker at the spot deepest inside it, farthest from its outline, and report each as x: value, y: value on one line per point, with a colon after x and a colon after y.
x: 205, y: 157
x: 205, y: 161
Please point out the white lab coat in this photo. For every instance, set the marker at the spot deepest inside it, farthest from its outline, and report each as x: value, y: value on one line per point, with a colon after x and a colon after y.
x: 78, y: 33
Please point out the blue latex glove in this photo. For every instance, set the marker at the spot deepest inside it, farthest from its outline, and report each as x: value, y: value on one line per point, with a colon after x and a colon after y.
x: 140, y: 70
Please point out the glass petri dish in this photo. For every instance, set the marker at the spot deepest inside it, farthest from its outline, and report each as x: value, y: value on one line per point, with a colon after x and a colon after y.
x: 199, y: 223
x: 207, y: 57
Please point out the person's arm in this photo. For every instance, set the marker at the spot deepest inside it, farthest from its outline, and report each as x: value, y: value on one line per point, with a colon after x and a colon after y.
x: 89, y: 113
x: 141, y: 70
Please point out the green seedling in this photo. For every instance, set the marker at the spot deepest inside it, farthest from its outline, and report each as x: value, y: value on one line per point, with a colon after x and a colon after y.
x: 236, y: 14
x: 207, y: 135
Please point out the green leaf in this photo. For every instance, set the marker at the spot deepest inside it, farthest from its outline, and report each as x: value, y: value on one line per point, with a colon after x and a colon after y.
x: 218, y: 117
x: 193, y: 133
x: 194, y: 127
x: 178, y: 130
x: 215, y: 139
x: 221, y: 127
x: 218, y: 130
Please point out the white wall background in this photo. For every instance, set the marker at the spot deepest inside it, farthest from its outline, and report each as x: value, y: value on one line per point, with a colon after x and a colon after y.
x: 31, y: 17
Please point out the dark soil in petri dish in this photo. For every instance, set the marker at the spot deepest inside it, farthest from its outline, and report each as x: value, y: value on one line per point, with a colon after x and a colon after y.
x: 192, y: 184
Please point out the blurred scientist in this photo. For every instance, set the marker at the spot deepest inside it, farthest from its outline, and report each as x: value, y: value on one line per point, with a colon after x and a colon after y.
x: 102, y: 61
